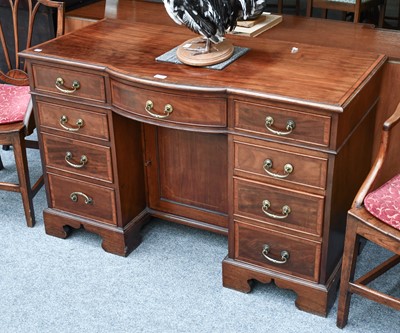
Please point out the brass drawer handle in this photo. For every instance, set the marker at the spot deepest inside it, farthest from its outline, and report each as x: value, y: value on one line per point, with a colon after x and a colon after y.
x: 285, y: 210
x: 290, y: 126
x: 74, y: 197
x: 287, y: 169
x: 68, y: 158
x: 167, y: 110
x: 284, y: 255
x: 64, y: 120
x: 60, y: 86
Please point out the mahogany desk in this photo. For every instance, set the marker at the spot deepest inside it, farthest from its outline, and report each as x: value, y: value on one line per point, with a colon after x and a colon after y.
x: 270, y: 150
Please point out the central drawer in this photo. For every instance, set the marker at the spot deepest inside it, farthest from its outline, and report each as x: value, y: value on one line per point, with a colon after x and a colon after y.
x: 182, y: 109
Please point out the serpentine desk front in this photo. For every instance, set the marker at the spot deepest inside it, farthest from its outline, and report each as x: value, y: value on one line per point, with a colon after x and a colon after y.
x: 270, y: 150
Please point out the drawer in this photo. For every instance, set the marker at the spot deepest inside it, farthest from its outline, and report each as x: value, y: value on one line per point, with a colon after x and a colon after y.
x: 297, y: 167
x: 182, y: 108
x: 91, y: 86
x: 281, y: 207
x: 78, y: 121
x: 268, y: 249
x: 283, y: 124
x: 78, y: 157
x: 82, y: 198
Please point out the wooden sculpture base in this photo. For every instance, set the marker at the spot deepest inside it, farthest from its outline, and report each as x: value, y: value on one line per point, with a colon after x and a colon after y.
x: 187, y: 52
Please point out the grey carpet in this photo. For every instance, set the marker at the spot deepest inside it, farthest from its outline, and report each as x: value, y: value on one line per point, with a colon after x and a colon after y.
x: 170, y: 283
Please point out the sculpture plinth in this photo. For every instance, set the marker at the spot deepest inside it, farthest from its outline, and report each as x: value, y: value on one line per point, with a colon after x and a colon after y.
x: 191, y: 52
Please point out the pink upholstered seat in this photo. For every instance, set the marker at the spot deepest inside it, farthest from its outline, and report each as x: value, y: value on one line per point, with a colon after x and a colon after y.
x: 16, y: 118
x: 384, y: 202
x: 14, y: 102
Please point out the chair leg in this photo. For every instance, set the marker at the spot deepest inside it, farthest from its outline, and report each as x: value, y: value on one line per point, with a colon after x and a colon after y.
x: 382, y: 13
x: 297, y: 7
x: 357, y: 16
x: 1, y: 164
x: 309, y: 8
x: 280, y: 6
x: 398, y: 18
x: 348, y: 268
x: 21, y: 162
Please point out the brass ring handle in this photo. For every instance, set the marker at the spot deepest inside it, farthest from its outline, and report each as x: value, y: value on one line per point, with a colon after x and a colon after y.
x: 284, y: 255
x: 60, y: 86
x: 74, y: 197
x: 167, y: 110
x: 287, y: 169
x: 64, y: 120
x: 285, y: 210
x: 290, y: 126
x: 68, y: 158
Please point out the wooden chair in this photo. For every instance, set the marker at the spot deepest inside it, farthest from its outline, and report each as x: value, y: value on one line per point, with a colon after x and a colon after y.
x: 280, y: 6
x: 392, y: 17
x: 16, y: 117
x: 348, y: 6
x: 375, y: 216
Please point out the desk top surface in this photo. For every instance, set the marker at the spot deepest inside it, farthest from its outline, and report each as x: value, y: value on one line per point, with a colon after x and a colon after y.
x: 315, y: 31
x: 315, y: 74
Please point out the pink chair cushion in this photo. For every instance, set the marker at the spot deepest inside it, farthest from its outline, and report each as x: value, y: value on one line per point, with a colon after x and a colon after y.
x: 14, y: 102
x: 384, y: 202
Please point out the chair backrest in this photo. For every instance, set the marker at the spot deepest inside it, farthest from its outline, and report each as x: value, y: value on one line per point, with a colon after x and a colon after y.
x: 386, y: 164
x: 25, y: 23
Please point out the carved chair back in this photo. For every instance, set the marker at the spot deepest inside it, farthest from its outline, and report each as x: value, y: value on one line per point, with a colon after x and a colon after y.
x: 24, y: 23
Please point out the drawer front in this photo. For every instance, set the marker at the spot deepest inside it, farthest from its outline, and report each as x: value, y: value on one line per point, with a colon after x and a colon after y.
x: 80, y: 122
x: 265, y: 248
x: 78, y: 157
x: 82, y: 198
x: 278, y: 206
x: 182, y: 109
x: 289, y: 167
x: 282, y: 124
x: 91, y: 86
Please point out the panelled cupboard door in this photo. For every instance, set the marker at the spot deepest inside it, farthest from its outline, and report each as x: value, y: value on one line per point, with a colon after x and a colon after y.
x: 186, y: 174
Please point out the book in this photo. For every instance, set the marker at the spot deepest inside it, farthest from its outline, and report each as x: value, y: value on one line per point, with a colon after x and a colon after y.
x: 265, y: 22
x: 250, y: 23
